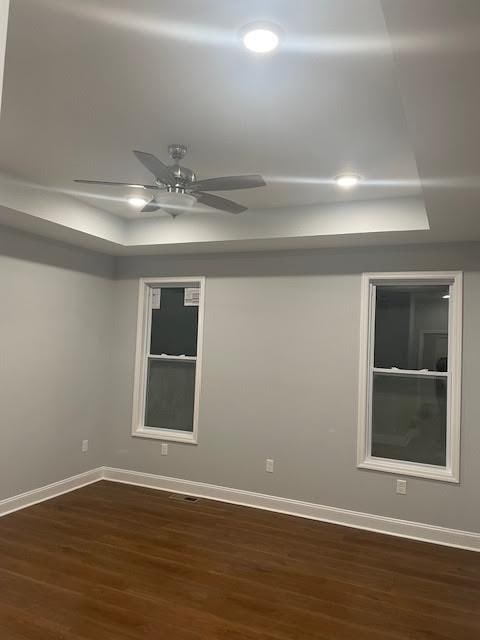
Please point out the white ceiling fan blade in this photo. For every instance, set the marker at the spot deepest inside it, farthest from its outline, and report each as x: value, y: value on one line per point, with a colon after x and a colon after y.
x: 216, y: 202
x: 151, y: 206
x: 230, y: 183
x: 156, y: 166
x: 117, y: 184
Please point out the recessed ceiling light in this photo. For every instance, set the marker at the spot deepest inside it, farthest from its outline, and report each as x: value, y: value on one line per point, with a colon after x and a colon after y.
x: 137, y: 202
x: 261, y: 38
x: 347, y: 180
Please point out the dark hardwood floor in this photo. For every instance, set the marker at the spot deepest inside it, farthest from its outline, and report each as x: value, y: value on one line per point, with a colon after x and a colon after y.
x: 114, y: 562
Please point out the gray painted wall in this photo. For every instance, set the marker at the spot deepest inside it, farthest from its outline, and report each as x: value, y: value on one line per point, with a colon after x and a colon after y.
x: 280, y: 375
x: 4, y: 9
x: 55, y: 306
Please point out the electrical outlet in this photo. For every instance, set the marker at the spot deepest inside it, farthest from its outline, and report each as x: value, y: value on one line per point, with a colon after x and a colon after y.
x: 84, y: 446
x: 401, y: 487
x: 269, y: 465
x: 164, y: 450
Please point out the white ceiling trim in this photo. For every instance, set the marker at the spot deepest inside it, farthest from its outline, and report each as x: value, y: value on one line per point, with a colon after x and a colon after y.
x: 54, y: 214
x: 334, y: 219
x: 49, y: 206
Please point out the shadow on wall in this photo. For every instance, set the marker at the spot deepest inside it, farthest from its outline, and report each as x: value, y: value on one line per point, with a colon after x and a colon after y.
x: 331, y: 261
x: 26, y: 246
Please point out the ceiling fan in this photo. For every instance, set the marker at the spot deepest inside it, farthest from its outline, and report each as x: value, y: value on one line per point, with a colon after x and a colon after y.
x: 182, y: 185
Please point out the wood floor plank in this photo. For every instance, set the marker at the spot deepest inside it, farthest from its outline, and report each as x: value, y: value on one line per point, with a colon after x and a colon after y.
x: 115, y: 561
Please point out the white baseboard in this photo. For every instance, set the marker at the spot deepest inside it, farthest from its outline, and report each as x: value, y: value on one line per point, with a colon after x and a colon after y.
x: 380, y: 524
x: 29, y: 498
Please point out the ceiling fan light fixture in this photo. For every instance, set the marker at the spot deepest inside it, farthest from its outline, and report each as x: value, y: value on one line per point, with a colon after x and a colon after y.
x: 261, y: 38
x: 176, y: 203
x: 137, y: 202
x: 347, y: 180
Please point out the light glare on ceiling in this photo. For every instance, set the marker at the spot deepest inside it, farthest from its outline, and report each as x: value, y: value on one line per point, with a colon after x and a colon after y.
x: 137, y: 202
x: 261, y: 39
x: 347, y: 180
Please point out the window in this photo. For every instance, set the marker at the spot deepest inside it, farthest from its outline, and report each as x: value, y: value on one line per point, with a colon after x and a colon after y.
x: 168, y: 359
x: 410, y: 374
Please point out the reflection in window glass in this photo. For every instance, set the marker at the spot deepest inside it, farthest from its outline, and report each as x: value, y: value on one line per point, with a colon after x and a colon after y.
x: 170, y: 395
x: 174, y: 324
x: 409, y: 418
x: 411, y: 327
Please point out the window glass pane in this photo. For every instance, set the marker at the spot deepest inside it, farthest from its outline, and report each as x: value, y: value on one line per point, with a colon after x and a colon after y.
x: 411, y: 327
x: 174, y: 324
x: 409, y: 418
x: 170, y: 395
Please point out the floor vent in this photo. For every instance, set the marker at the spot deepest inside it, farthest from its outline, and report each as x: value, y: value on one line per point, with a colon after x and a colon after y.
x: 182, y: 498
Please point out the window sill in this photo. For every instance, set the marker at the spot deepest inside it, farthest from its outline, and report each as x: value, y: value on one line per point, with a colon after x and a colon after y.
x: 427, y: 471
x: 185, y: 437
x: 168, y: 358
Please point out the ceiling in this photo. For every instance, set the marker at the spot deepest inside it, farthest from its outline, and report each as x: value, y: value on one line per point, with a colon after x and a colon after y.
x: 385, y: 89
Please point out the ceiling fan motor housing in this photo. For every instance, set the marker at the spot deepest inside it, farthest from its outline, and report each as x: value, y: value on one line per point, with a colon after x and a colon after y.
x: 184, y: 177
x: 177, y: 151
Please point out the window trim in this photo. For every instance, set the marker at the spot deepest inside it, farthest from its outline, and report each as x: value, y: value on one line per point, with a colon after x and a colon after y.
x: 451, y: 472
x: 139, y: 429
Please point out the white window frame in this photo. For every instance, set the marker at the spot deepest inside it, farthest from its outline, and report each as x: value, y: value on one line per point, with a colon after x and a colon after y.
x: 451, y: 471
x: 139, y: 429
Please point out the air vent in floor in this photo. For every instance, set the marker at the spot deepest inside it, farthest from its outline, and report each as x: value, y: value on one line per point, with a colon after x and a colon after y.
x: 181, y: 498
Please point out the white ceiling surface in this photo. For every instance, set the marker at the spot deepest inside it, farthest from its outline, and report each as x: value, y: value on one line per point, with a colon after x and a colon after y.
x: 437, y: 57
x: 88, y: 81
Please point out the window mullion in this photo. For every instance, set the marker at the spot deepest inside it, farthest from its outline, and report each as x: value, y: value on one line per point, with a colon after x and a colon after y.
x: 413, y: 373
